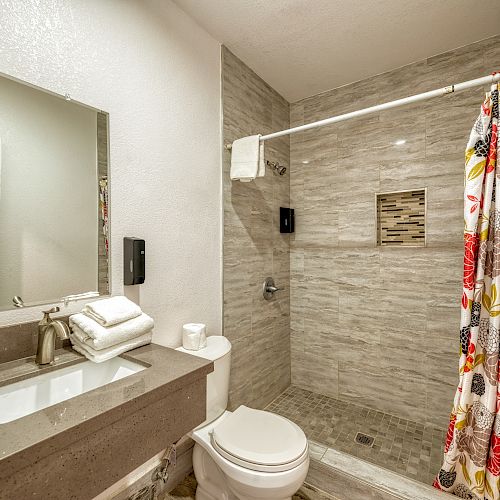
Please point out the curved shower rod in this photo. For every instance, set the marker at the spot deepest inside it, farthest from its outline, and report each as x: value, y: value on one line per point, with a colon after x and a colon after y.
x: 495, y: 77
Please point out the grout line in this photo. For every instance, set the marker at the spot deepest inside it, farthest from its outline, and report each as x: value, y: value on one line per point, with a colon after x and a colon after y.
x: 394, y: 439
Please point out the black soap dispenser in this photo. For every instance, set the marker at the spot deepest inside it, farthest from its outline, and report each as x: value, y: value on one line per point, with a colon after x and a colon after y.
x: 134, y: 261
x: 287, y: 220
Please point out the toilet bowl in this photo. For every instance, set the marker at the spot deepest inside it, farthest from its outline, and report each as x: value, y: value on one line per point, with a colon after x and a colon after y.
x: 247, y: 454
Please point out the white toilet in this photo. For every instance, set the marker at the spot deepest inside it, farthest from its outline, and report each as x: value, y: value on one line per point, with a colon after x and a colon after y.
x: 247, y: 454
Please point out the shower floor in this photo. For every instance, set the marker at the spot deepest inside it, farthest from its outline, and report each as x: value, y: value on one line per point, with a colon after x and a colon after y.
x: 409, y: 448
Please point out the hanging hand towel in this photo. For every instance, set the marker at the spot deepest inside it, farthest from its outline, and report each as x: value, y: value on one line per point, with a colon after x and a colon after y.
x: 99, y: 337
x: 109, y: 312
x: 247, y: 159
x: 109, y: 352
x: 262, y: 162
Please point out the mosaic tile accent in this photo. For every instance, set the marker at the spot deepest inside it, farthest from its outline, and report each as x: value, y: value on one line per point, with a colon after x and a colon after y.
x: 403, y: 446
x: 401, y: 218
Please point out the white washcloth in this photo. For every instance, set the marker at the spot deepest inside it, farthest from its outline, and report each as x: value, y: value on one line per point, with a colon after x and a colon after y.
x: 247, y: 159
x: 99, y: 337
x: 110, y: 352
x: 109, y: 312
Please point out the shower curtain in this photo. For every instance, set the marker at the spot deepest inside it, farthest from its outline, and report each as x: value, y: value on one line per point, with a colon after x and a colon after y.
x: 471, y: 465
x: 103, y: 207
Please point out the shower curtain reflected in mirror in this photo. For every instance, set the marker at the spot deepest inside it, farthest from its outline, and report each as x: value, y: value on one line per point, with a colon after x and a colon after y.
x: 471, y: 467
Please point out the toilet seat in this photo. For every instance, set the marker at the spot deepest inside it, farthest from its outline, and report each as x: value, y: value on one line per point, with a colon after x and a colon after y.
x: 260, y: 441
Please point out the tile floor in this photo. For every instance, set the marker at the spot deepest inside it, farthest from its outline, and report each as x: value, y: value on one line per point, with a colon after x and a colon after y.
x: 187, y: 489
x: 409, y: 448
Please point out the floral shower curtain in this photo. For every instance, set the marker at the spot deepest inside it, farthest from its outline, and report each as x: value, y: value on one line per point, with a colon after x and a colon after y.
x: 471, y: 466
x: 103, y: 208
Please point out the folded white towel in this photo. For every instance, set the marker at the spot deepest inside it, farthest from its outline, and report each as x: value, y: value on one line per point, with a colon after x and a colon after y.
x: 99, y: 337
x: 109, y: 312
x: 110, y: 352
x: 247, y: 159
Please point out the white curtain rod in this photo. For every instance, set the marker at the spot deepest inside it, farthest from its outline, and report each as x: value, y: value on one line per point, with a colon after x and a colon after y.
x: 387, y: 105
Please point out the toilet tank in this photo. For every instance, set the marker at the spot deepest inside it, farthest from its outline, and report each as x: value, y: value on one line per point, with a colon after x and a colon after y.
x: 218, y: 350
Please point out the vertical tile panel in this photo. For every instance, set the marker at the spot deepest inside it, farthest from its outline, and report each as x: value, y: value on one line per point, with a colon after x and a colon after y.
x: 253, y: 246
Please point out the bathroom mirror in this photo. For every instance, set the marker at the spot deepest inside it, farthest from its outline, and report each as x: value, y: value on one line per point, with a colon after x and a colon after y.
x: 54, y: 210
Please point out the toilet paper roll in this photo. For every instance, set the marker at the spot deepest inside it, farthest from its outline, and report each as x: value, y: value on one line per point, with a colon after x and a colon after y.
x: 194, y: 336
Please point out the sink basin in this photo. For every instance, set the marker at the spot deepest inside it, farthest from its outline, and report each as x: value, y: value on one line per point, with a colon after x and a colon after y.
x: 36, y: 393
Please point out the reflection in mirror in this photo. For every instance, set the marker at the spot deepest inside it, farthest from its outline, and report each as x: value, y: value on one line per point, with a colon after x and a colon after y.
x: 54, y: 210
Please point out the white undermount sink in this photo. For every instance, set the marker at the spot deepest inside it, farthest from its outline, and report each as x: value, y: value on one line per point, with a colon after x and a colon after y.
x: 41, y: 391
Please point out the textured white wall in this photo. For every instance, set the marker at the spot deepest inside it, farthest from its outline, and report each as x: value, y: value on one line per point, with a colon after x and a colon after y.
x: 48, y: 195
x: 158, y: 75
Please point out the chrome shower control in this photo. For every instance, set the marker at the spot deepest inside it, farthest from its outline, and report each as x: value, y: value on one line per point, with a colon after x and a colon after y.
x: 269, y: 288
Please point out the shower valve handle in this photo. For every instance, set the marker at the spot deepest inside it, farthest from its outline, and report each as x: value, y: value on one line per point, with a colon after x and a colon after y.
x: 269, y: 288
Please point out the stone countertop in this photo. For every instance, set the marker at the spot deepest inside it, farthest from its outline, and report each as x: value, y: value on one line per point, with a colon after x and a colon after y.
x: 30, y: 438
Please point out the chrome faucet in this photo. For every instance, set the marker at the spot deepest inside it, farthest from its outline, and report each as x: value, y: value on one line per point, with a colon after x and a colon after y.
x: 48, y: 329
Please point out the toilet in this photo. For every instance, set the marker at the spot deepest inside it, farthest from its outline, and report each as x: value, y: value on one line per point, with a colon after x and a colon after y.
x: 247, y: 454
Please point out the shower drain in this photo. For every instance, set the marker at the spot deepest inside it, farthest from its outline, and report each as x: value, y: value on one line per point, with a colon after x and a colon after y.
x: 364, y: 439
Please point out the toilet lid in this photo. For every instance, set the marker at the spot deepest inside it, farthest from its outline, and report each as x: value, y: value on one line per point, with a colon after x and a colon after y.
x: 260, y: 440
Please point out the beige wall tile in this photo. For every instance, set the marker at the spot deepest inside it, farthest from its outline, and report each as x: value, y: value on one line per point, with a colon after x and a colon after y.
x: 253, y: 246
x: 374, y: 322
x: 356, y: 320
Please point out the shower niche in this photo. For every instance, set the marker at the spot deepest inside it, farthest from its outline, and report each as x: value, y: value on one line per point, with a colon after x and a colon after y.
x: 401, y: 218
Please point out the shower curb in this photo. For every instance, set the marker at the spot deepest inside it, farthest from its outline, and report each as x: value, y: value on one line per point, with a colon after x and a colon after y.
x: 348, y: 477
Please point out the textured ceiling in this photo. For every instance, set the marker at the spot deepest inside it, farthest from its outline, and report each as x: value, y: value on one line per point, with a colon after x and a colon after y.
x: 302, y: 47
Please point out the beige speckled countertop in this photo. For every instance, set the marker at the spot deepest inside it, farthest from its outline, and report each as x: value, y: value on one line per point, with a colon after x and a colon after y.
x: 30, y: 438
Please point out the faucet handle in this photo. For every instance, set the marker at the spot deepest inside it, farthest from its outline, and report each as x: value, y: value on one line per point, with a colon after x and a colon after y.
x: 46, y: 314
x: 55, y: 309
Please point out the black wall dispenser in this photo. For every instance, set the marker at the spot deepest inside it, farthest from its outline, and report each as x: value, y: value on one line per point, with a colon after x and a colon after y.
x: 134, y: 261
x: 287, y: 220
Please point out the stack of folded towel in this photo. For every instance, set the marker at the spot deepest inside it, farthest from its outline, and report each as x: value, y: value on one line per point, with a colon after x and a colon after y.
x: 106, y: 328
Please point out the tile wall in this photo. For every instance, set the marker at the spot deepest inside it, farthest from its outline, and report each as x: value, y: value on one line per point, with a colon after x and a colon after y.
x: 254, y: 249
x: 379, y: 325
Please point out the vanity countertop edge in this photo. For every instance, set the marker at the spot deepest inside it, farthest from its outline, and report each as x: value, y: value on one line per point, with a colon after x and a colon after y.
x: 30, y: 438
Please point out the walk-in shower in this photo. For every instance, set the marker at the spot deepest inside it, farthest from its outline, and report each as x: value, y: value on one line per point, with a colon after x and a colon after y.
x: 363, y: 306
x: 375, y: 265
